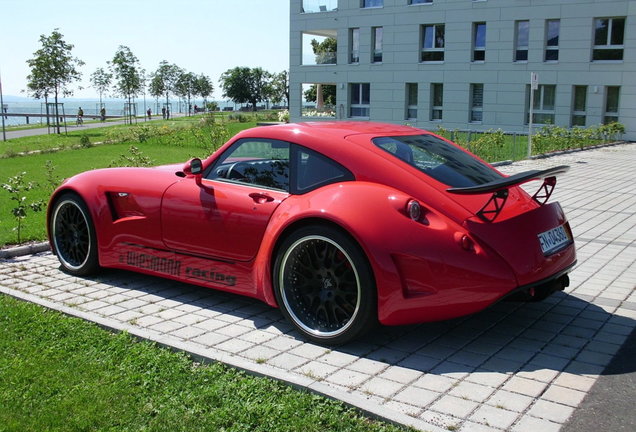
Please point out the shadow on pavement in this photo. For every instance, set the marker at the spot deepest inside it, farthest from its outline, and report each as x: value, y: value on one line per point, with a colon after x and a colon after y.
x: 562, y: 333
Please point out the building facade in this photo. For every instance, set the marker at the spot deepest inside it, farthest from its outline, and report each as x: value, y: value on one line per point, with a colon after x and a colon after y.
x: 464, y: 64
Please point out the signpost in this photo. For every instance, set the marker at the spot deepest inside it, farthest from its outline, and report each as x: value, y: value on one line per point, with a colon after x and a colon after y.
x: 534, y: 85
x: 4, y: 133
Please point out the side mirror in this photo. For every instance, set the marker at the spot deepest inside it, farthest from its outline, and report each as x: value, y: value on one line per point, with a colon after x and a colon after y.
x: 193, y: 167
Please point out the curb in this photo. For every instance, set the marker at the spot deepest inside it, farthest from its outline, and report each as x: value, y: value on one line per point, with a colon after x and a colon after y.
x: 25, y: 250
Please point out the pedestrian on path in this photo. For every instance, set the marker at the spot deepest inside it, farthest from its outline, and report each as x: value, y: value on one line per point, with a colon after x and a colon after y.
x: 149, y: 112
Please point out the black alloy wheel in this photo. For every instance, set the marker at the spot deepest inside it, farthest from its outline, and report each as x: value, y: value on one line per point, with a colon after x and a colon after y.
x: 324, y: 285
x: 73, y: 235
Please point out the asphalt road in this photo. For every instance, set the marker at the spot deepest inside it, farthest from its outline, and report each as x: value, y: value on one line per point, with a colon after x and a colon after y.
x: 609, y: 406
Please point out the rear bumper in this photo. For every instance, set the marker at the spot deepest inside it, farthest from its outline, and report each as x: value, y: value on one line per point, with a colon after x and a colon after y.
x: 516, y: 240
x: 508, y: 263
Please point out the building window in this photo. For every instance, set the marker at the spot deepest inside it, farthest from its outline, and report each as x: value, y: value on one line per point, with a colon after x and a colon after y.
x: 432, y: 42
x: 609, y: 34
x: 437, y: 101
x: 611, y: 104
x: 376, y: 43
x: 411, y: 101
x: 552, y: 28
x: 360, y: 99
x: 522, y: 34
x: 543, y: 108
x: 311, y: 6
x: 354, y: 45
x: 420, y: 1
x: 579, y: 105
x: 479, y: 41
x: 372, y: 3
x: 476, y: 103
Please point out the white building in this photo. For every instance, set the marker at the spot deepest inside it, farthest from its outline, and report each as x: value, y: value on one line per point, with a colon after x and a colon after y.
x: 465, y: 64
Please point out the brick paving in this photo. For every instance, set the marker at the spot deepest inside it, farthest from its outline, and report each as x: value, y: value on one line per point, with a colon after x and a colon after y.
x: 513, y: 367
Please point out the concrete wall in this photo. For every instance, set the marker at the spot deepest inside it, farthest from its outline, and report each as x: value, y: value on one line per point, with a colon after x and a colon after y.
x: 504, y: 80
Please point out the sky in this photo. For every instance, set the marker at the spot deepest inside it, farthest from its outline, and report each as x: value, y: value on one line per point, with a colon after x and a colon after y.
x: 200, y: 36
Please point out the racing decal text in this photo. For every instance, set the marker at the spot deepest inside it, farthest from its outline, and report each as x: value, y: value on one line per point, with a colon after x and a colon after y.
x: 210, y: 276
x: 151, y: 262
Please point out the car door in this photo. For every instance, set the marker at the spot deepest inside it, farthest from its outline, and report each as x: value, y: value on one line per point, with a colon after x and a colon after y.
x: 226, y: 216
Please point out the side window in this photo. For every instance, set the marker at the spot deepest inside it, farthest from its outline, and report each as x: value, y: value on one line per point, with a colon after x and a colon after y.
x: 259, y: 162
x: 314, y: 170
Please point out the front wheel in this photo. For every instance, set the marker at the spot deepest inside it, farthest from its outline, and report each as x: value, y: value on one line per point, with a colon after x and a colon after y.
x: 324, y: 285
x: 73, y: 235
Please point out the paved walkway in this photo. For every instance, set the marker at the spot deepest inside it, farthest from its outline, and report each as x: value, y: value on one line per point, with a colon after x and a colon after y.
x: 514, y: 367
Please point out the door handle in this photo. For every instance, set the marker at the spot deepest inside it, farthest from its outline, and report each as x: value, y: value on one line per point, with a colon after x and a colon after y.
x: 261, y: 198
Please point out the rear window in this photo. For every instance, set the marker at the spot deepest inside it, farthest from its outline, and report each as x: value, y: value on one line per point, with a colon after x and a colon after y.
x: 438, y: 159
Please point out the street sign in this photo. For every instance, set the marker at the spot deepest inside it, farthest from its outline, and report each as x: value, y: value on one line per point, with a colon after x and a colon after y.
x: 534, y: 80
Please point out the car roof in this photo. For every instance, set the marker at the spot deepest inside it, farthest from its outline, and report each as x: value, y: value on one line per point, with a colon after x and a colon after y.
x: 332, y: 129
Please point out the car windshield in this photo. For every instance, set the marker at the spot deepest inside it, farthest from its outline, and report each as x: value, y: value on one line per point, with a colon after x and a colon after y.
x: 438, y: 159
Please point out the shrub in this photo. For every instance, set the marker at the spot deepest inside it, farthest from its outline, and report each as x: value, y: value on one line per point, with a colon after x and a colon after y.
x: 17, y: 188
x: 85, y: 141
x: 52, y: 181
x: 241, y: 118
x: 283, y: 116
x: 134, y: 158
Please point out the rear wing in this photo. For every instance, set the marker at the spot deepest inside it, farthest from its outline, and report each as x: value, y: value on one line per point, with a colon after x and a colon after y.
x: 499, y: 189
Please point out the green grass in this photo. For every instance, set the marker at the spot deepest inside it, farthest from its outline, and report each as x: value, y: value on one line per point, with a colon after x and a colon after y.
x: 182, y: 138
x: 63, y: 374
x: 175, y: 143
x: 54, y: 141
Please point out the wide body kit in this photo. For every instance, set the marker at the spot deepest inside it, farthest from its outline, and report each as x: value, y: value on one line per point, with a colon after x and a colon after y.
x: 422, y: 243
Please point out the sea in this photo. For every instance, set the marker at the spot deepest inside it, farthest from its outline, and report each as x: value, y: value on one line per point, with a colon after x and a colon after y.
x: 70, y: 106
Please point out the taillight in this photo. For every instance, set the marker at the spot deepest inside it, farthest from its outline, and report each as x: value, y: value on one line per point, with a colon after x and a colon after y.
x: 467, y: 243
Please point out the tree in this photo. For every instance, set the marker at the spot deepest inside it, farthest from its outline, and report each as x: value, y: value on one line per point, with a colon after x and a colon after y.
x: 244, y: 85
x: 164, y: 80
x: 328, y: 93
x: 325, y: 51
x: 186, y: 87
x: 53, y: 70
x: 100, y: 79
x: 204, y: 88
x: 125, y: 67
x: 280, y: 88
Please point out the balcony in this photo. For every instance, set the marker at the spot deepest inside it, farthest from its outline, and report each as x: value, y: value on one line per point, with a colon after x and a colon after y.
x: 315, y: 6
x: 319, y: 47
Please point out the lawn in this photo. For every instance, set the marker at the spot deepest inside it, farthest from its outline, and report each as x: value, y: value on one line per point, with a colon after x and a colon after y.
x: 162, y: 143
x: 180, y: 139
x: 64, y: 374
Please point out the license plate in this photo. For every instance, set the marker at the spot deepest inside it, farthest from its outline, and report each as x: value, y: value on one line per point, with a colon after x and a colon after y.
x: 554, y: 239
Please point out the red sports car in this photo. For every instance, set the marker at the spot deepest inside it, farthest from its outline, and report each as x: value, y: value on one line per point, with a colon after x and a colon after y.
x: 339, y: 224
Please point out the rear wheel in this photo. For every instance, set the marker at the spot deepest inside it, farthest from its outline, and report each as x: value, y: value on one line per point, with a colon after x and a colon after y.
x: 73, y: 235
x: 324, y: 285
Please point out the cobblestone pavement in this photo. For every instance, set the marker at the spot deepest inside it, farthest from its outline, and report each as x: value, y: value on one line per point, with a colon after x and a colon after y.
x: 513, y: 367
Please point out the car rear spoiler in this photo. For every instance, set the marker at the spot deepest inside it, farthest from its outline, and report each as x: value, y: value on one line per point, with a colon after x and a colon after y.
x: 499, y: 189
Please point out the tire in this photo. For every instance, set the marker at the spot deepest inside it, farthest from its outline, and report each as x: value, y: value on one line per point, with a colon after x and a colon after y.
x: 73, y: 236
x: 324, y: 285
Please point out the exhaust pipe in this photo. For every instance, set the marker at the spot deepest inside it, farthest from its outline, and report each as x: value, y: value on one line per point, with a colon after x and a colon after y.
x: 541, y: 292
